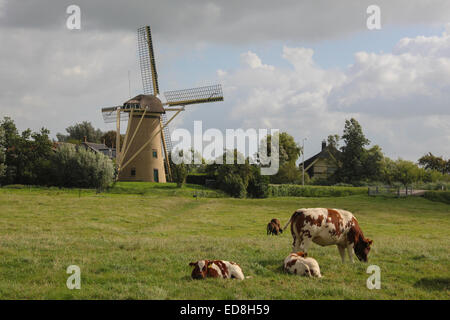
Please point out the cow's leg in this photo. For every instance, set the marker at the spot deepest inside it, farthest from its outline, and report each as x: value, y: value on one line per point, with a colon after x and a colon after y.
x: 350, y: 253
x: 301, y: 243
x: 342, y: 252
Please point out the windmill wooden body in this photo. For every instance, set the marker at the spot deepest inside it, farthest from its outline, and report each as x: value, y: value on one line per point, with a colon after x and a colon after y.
x: 144, y: 155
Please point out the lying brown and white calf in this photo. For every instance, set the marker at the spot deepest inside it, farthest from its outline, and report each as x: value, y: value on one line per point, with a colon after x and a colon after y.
x: 216, y: 269
x: 299, y: 263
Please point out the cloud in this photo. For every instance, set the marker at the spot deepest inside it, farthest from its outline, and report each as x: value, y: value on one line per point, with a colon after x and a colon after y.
x: 401, y: 98
x: 251, y: 60
x: 54, y: 79
x: 231, y: 21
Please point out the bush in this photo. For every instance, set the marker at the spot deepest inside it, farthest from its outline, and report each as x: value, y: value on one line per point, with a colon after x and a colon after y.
x: 441, y: 196
x: 289, y: 190
x: 80, y: 168
x: 233, y: 185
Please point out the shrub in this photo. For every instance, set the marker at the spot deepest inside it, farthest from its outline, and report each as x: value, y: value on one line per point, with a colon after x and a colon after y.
x: 78, y: 167
x: 233, y: 185
x: 441, y: 196
x: 198, y: 178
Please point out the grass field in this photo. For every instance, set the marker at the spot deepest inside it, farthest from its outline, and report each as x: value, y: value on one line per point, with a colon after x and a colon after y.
x: 138, y: 246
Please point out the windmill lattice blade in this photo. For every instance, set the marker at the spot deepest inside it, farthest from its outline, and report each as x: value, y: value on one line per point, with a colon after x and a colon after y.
x: 147, y: 61
x: 195, y: 95
x: 110, y: 115
x: 149, y: 74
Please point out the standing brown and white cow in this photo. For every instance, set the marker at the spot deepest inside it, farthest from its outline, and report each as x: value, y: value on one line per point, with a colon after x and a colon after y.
x: 327, y: 227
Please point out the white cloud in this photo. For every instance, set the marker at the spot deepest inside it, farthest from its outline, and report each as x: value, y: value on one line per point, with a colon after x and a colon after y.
x: 251, y: 60
x: 401, y: 98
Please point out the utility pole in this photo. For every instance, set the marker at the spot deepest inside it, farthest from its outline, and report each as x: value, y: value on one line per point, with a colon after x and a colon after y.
x: 303, y: 162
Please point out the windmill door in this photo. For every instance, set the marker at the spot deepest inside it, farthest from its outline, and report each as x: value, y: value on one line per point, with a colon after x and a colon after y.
x: 155, y: 175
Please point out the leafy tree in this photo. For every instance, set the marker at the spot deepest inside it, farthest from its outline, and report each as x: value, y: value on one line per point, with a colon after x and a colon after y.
x: 258, y: 185
x: 372, y: 161
x: 387, y: 170
x: 109, y: 138
x: 288, y: 172
x: 27, y: 154
x: 2, y: 152
x: 289, y: 152
x: 231, y: 178
x: 353, y: 153
x: 406, y: 172
x: 179, y: 171
x: 431, y: 162
x: 333, y: 140
x: 78, y: 131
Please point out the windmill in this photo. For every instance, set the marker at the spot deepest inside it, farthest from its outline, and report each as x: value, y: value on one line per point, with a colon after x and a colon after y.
x: 144, y: 155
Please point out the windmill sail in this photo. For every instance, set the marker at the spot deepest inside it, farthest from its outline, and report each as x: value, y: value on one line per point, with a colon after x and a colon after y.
x: 110, y: 114
x: 149, y: 74
x: 194, y: 95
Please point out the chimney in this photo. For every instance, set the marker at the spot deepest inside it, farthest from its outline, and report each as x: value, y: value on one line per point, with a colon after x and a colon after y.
x: 324, y: 144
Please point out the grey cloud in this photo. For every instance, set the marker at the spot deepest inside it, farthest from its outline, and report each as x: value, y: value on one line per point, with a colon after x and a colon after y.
x: 231, y: 21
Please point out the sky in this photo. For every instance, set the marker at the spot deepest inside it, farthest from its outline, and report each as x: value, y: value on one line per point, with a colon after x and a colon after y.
x: 299, y: 66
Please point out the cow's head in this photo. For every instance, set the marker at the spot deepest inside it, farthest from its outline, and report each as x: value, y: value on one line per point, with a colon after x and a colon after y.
x: 200, y: 269
x: 362, y: 248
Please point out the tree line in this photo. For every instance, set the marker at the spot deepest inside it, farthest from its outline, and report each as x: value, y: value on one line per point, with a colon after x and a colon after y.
x: 31, y: 158
x: 356, y: 165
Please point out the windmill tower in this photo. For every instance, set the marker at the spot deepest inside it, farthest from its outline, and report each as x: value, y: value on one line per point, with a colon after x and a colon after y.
x: 144, y: 155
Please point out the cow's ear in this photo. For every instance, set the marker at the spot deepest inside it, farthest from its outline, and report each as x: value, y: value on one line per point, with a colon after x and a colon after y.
x: 369, y: 241
x: 192, y: 263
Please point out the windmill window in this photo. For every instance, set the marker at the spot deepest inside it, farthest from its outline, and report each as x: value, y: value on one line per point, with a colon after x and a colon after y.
x: 155, y: 153
x: 133, y: 172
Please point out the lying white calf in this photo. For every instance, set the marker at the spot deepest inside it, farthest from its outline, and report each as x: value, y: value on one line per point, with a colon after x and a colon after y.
x: 299, y: 263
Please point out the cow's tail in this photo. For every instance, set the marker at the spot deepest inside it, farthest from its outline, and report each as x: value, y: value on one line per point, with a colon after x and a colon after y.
x: 290, y: 220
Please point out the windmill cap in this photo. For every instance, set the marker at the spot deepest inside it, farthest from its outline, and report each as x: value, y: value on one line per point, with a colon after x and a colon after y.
x: 144, y: 101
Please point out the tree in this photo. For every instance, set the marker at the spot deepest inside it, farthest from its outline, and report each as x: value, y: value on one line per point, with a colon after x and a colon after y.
x: 26, y: 155
x: 179, y: 171
x: 353, y: 153
x: 2, y: 152
x: 231, y: 178
x: 431, y: 162
x: 79, y: 131
x: 289, y: 152
x: 406, y: 172
x: 258, y: 185
x: 333, y: 140
x: 288, y: 172
x: 372, y: 161
x: 109, y: 138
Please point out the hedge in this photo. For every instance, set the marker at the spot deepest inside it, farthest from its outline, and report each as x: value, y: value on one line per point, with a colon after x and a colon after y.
x: 199, y: 178
x: 441, y: 196
x: 289, y: 190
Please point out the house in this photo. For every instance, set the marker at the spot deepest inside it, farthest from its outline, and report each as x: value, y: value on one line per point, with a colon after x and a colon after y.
x: 323, y: 164
x: 95, y: 147
x: 100, y: 147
